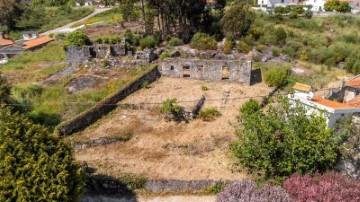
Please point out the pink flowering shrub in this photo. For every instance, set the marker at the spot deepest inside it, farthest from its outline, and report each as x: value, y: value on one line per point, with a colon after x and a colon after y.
x: 246, y: 191
x: 330, y: 186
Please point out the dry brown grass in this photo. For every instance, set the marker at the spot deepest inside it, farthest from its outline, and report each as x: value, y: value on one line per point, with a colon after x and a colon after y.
x: 159, y: 149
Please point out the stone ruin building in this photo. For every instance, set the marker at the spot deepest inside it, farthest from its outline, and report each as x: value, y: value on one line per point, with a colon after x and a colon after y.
x: 230, y: 70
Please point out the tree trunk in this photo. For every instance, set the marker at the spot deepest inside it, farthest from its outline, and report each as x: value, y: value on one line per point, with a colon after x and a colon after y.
x: 143, y: 14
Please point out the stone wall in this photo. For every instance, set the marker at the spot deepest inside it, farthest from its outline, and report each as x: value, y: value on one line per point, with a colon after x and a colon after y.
x: 237, y: 71
x: 105, y: 106
x: 79, y: 55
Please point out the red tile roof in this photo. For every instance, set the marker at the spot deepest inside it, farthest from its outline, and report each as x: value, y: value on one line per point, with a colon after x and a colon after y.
x: 355, y: 83
x: 37, y: 42
x: 355, y: 102
x: 331, y: 104
x: 5, y: 40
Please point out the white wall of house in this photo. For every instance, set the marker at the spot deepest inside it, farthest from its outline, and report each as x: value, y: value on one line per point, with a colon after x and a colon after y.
x: 317, y: 5
x: 29, y: 36
x: 274, y: 3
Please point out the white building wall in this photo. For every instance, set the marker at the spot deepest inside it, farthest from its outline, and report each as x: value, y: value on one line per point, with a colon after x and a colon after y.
x: 29, y: 36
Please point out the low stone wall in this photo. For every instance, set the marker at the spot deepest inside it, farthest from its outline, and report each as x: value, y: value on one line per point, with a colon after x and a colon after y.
x: 238, y: 71
x: 78, y: 55
x: 105, y: 106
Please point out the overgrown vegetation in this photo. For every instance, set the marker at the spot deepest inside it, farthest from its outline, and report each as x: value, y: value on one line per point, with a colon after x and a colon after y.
x: 77, y: 38
x: 203, y: 41
x: 284, y: 140
x: 35, y: 166
x: 209, y: 114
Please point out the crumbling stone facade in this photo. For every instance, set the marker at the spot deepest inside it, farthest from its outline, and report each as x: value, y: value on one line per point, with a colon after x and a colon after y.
x: 231, y: 70
x: 79, y: 55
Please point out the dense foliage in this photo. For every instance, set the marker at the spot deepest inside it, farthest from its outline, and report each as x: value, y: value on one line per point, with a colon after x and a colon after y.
x: 284, y: 140
x: 237, y: 20
x: 4, y: 90
x: 34, y: 165
x: 77, y: 38
x: 336, y: 5
x: 148, y: 42
x: 276, y: 78
x: 330, y: 186
x: 203, y: 41
x: 247, y: 191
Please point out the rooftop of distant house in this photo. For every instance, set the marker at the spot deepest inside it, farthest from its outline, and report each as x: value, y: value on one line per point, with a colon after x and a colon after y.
x: 331, y: 104
x: 355, y: 102
x: 302, y: 87
x: 354, y: 83
x: 5, y: 39
x: 37, y: 42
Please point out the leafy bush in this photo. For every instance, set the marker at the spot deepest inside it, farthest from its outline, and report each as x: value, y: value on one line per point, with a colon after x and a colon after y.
x: 147, y: 42
x: 133, y: 181
x: 170, y: 106
x: 176, y: 41
x: 228, y: 46
x: 145, y: 85
x: 330, y: 186
x: 209, y: 114
x: 242, y: 47
x: 250, y: 107
x: 275, y: 78
x: 280, y: 36
x: 246, y: 191
x: 5, y: 90
x: 113, y: 39
x: 284, y: 140
x: 77, y: 38
x: 282, y: 10
x: 203, y: 41
x: 204, y: 88
x: 275, y: 52
x: 308, y: 14
x: 298, y: 9
x: 293, y: 15
x: 165, y: 55
x: 35, y: 166
x: 131, y: 38
x: 336, y: 5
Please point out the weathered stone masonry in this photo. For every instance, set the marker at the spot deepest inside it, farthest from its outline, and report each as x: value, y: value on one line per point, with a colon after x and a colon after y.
x: 207, y: 69
x: 77, y: 55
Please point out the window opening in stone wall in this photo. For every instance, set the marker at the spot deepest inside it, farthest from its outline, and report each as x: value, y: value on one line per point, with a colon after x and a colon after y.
x: 225, y: 73
x: 186, y: 71
x: 171, y: 67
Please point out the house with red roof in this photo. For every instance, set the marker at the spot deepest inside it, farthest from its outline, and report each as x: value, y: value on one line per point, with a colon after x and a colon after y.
x: 330, y: 110
x: 31, y: 41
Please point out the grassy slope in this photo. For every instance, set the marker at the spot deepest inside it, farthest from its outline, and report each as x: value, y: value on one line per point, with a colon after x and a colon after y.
x: 111, y: 16
x: 52, y: 103
x: 315, y: 37
x: 56, y: 19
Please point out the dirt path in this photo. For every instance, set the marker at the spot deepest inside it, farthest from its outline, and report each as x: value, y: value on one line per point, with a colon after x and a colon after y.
x: 67, y: 28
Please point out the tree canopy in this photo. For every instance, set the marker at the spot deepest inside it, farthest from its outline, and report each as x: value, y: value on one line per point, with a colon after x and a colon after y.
x: 336, y: 5
x: 34, y: 165
x: 284, y: 140
x: 4, y: 90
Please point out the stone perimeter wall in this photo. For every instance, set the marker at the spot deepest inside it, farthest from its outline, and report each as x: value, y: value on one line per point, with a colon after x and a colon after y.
x: 208, y: 69
x: 77, y: 55
x: 105, y: 106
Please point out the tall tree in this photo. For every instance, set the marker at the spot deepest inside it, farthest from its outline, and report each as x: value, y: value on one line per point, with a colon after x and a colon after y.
x: 10, y: 10
x: 34, y: 165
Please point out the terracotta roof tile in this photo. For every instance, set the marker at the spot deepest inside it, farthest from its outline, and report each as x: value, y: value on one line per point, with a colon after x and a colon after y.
x: 37, y: 42
x: 6, y: 40
x: 355, y: 83
x: 355, y: 102
x: 331, y: 104
x: 302, y: 87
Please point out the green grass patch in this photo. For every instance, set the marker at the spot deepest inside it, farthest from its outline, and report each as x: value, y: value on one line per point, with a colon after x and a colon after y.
x: 111, y: 16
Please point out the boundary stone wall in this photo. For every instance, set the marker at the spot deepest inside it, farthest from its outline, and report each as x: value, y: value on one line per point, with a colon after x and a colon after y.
x: 105, y: 106
x: 239, y: 71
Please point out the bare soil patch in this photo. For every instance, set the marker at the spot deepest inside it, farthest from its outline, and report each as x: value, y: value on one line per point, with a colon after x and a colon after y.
x: 159, y: 149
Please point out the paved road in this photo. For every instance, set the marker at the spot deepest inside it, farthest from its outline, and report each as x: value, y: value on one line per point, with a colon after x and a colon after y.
x: 67, y: 28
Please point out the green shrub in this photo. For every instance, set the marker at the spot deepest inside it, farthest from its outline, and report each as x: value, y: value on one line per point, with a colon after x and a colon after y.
x: 275, y: 52
x: 203, y: 41
x: 147, y: 42
x: 282, y: 10
x: 204, y: 88
x: 228, y: 46
x: 293, y: 15
x: 170, y: 106
x: 260, y: 47
x: 308, y: 14
x: 242, y: 47
x: 250, y: 107
x: 298, y: 9
x: 77, y: 38
x: 5, y: 90
x: 176, y: 41
x: 275, y: 78
x: 145, y: 85
x: 131, y: 38
x: 133, y: 181
x: 209, y: 114
x: 165, y: 55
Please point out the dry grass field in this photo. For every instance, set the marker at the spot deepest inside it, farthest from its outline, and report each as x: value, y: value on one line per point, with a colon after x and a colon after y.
x: 170, y: 150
